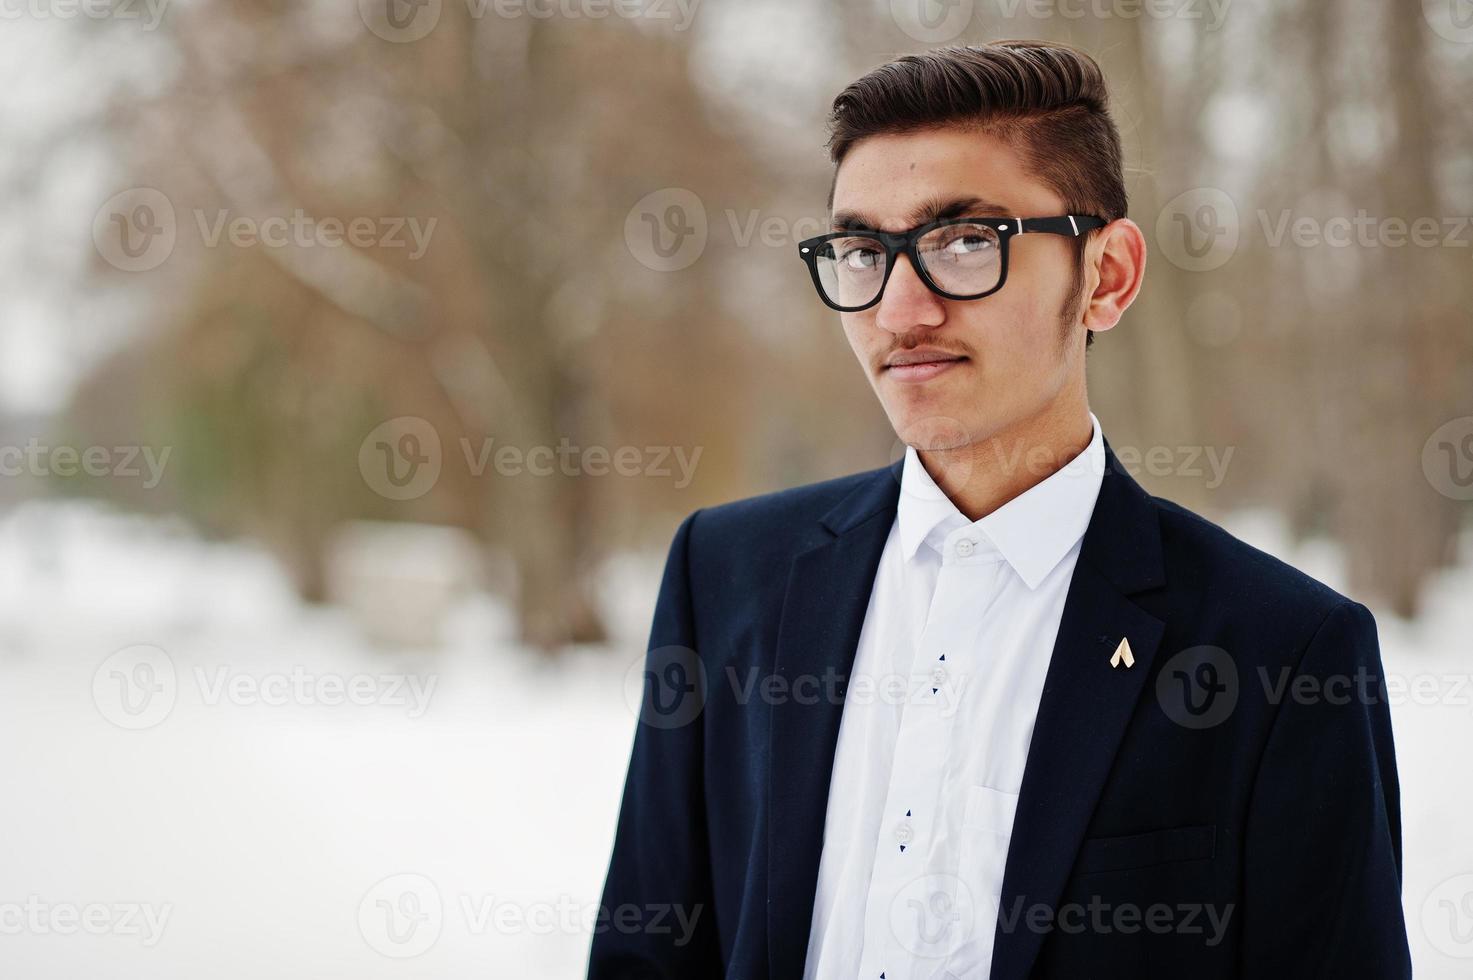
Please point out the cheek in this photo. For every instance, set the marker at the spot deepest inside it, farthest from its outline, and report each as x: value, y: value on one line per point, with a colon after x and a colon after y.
x: 1050, y: 279
x: 1001, y: 329
x: 859, y: 331
x: 1022, y: 329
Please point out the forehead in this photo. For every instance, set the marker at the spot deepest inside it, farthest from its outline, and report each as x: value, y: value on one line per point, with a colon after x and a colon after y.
x: 890, y: 179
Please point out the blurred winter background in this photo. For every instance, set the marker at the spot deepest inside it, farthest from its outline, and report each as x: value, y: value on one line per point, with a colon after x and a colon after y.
x: 357, y: 362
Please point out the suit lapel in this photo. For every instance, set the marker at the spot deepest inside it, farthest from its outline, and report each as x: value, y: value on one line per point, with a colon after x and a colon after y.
x: 827, y: 595
x: 1084, y: 710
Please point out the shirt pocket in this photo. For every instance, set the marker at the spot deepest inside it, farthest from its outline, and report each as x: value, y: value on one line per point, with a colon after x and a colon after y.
x: 990, y: 810
x: 987, y: 827
x: 982, y: 856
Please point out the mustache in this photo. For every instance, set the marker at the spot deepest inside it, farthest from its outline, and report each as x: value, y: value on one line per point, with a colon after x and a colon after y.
x: 883, y: 358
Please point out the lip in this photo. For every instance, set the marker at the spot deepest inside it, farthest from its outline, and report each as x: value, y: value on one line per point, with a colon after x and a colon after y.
x: 921, y: 365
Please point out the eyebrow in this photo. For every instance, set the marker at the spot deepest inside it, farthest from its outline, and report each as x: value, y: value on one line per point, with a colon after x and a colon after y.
x: 934, y: 209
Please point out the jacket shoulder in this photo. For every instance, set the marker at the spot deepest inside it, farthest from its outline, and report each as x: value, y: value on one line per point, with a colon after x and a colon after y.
x: 780, y: 517
x: 1227, y: 570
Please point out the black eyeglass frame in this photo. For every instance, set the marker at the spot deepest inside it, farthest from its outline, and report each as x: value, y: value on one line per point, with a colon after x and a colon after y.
x: 896, y: 242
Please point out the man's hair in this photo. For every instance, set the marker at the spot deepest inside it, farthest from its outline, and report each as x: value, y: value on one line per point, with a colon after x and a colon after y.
x: 1047, y: 100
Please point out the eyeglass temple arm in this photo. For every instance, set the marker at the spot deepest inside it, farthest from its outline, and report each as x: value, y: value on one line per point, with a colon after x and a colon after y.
x: 1070, y: 224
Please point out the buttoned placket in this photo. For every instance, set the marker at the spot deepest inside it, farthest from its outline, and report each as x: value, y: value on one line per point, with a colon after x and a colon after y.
x: 911, y: 924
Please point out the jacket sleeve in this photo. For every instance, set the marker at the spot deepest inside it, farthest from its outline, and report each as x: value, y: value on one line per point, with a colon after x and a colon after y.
x: 1322, y: 847
x: 656, y: 918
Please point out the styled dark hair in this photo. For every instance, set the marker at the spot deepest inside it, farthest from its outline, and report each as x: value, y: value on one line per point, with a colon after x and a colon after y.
x: 1048, y: 100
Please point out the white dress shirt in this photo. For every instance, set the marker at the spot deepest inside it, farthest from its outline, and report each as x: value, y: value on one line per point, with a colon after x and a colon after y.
x: 937, y: 719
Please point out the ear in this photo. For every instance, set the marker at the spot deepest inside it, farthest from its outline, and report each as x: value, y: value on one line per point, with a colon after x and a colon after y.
x: 1119, y: 259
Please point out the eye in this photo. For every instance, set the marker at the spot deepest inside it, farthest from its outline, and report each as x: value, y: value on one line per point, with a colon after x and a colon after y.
x: 967, y: 243
x: 860, y: 257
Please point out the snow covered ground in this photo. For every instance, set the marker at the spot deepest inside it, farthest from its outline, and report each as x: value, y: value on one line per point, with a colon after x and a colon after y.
x: 204, y: 778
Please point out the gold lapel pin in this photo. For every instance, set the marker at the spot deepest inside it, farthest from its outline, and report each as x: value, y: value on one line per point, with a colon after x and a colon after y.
x: 1123, y: 654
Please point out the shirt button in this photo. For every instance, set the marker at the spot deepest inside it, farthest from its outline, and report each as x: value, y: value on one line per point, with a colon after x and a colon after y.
x: 964, y: 547
x: 938, y: 675
x: 903, y: 833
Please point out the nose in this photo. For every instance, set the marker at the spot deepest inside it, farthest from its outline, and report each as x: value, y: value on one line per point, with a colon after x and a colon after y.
x: 907, y: 304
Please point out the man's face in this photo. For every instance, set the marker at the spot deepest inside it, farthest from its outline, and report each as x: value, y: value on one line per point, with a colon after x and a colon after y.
x: 1020, y: 349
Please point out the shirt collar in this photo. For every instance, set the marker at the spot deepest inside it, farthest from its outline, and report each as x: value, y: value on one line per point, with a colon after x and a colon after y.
x: 1033, y: 531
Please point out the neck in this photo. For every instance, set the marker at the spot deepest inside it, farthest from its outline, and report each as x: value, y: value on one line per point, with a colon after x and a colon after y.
x: 985, y: 474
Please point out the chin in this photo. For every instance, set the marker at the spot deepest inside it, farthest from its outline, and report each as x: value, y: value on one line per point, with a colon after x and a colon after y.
x: 930, y: 433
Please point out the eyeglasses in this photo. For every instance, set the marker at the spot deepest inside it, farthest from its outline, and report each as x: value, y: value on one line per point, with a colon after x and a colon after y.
x: 958, y: 258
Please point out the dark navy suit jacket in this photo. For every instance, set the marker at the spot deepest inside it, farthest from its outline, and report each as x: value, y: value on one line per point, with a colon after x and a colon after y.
x: 1244, y: 764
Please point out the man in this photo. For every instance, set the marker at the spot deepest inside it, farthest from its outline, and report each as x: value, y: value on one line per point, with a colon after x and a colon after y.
x: 993, y: 710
